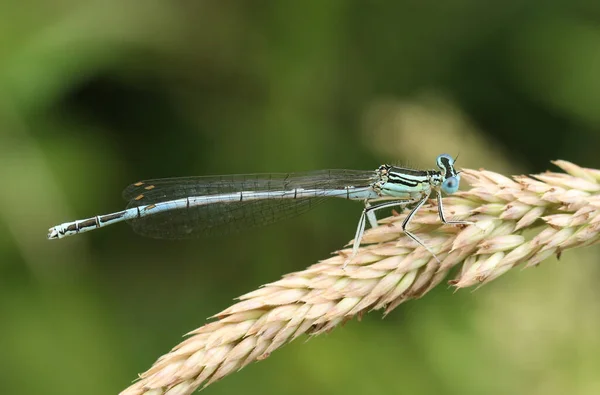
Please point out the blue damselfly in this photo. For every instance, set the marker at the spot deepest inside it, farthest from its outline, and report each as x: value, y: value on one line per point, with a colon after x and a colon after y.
x: 178, y: 208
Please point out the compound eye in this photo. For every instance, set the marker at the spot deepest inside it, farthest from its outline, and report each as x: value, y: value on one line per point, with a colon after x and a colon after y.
x: 451, y: 184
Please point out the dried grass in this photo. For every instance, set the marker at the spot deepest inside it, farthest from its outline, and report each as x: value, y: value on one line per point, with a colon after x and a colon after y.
x: 519, y: 220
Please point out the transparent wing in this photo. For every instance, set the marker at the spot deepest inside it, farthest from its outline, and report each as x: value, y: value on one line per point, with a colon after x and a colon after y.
x: 223, y: 218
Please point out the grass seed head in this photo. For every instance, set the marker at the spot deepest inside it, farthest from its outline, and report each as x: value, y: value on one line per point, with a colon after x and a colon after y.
x: 517, y: 221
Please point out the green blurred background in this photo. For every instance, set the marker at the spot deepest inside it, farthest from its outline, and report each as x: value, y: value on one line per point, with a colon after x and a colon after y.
x: 95, y: 95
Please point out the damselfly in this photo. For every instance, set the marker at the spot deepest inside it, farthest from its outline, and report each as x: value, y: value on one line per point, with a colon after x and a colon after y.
x: 178, y: 208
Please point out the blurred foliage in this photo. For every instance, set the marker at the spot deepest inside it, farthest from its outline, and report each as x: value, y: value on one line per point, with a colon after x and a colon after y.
x: 97, y: 94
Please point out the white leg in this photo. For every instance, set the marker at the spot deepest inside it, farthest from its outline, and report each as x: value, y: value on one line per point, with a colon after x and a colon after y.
x: 407, y: 221
x: 443, y: 218
x: 360, y: 229
x: 371, y: 216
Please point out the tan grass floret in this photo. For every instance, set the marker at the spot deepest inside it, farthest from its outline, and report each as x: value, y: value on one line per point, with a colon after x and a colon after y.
x: 519, y: 220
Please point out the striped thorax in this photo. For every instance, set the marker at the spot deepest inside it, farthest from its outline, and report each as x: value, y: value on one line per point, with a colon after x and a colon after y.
x: 401, y: 182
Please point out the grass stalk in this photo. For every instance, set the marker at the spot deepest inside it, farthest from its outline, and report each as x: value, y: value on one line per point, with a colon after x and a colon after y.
x: 521, y: 220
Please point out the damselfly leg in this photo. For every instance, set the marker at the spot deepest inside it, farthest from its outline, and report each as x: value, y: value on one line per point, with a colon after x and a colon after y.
x: 407, y: 220
x: 371, y: 216
x: 369, y: 212
x: 443, y: 218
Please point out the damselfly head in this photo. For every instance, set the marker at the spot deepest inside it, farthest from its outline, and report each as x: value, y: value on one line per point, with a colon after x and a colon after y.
x: 451, y: 177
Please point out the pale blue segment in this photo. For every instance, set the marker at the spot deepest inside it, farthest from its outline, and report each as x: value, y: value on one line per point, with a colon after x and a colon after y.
x: 191, y: 202
x: 402, y: 192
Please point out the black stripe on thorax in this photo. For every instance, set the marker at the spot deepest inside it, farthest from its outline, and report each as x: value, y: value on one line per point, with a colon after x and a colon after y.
x: 408, y: 182
x: 410, y: 172
x: 411, y: 179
